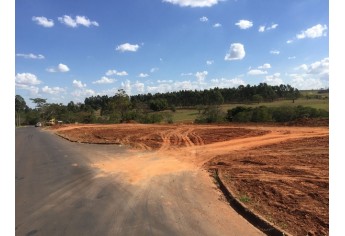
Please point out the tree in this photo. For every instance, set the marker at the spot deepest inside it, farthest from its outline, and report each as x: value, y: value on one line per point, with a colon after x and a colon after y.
x: 20, y: 106
x: 120, y: 104
x: 258, y: 98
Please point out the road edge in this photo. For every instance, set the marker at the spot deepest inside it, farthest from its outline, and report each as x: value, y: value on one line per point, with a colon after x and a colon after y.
x: 257, y: 221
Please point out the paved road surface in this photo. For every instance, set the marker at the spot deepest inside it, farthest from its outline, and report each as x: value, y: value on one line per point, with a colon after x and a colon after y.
x: 58, y: 192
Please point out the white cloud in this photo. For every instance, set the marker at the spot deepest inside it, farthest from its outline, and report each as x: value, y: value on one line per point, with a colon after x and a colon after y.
x: 26, y: 79
x: 115, y: 72
x: 304, y: 82
x: 200, y: 76
x: 186, y: 74
x: 78, y: 84
x: 104, y: 80
x: 193, y: 3
x: 236, y: 52
x: 313, y: 32
x: 312, y: 76
x: 60, y: 68
x: 319, y: 69
x: 275, y: 52
x: 217, y: 25
x: 244, y: 24
x: 33, y: 90
x: 126, y: 47
x: 43, y: 21
x: 263, y: 28
x: 293, y: 57
x: 139, y: 87
x: 273, y: 79
x: 302, y: 67
x: 30, y: 56
x: 164, y: 81
x: 127, y: 87
x: 154, y: 69
x: 203, y: 19
x: 226, y: 83
x: 79, y: 20
x: 82, y: 20
x: 289, y: 41
x: 53, y: 90
x: 257, y: 72
x: 265, y: 66
x: 143, y: 75
x: 82, y: 93
x: 209, y: 62
x: 273, y: 26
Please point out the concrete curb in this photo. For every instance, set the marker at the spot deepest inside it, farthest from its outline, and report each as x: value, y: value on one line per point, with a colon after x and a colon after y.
x: 260, y: 223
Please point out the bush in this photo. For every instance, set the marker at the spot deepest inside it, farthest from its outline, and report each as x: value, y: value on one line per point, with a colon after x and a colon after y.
x: 261, y: 114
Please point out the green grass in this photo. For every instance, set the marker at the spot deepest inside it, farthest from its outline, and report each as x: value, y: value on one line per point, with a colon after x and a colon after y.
x: 189, y: 115
x: 314, y: 103
x: 184, y: 115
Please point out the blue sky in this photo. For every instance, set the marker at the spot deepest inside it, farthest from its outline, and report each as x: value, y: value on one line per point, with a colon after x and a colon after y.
x: 69, y: 50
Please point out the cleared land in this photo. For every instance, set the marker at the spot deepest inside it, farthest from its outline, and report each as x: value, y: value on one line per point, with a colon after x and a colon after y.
x: 280, y: 173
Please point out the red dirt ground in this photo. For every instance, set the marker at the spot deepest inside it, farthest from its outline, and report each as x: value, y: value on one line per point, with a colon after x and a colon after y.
x: 279, y: 172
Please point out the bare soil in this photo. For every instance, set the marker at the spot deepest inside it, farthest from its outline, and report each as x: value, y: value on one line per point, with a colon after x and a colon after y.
x: 279, y: 172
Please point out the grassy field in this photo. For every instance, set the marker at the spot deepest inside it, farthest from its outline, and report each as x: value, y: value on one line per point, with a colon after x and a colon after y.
x: 189, y: 115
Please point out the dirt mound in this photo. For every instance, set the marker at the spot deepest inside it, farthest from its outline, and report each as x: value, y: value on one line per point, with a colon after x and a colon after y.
x: 286, y: 183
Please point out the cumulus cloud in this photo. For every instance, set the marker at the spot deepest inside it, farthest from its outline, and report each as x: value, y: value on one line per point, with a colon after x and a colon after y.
x: 200, y: 76
x: 143, y: 75
x: 78, y: 84
x: 275, y: 52
x: 263, y: 28
x: 82, y: 93
x: 104, y: 80
x: 217, y: 25
x: 265, y: 66
x: 236, y: 52
x: 292, y: 57
x: 319, y: 69
x: 30, y: 56
x: 257, y: 72
x: 53, y: 90
x: 306, y: 82
x: 203, y: 19
x: 60, y: 68
x: 273, y: 79
x: 43, y: 21
x: 138, y: 87
x: 227, y: 83
x: 244, y: 24
x: 289, y: 41
x: 209, y: 62
x: 312, y: 76
x: 193, y: 3
x: 78, y: 20
x: 115, y: 72
x: 313, y: 32
x: 33, y: 90
x: 26, y: 79
x: 126, y: 47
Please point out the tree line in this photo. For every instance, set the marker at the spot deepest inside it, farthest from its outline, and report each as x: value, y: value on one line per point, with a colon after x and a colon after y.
x: 141, y: 108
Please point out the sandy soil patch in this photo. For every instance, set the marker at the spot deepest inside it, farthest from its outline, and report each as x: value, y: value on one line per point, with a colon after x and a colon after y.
x: 281, y: 173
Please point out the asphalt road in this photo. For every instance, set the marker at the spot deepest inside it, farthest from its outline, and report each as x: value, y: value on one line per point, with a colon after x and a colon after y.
x: 58, y: 192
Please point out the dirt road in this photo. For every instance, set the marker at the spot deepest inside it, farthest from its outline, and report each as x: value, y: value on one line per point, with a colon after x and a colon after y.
x: 65, y: 188
x: 293, y: 159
